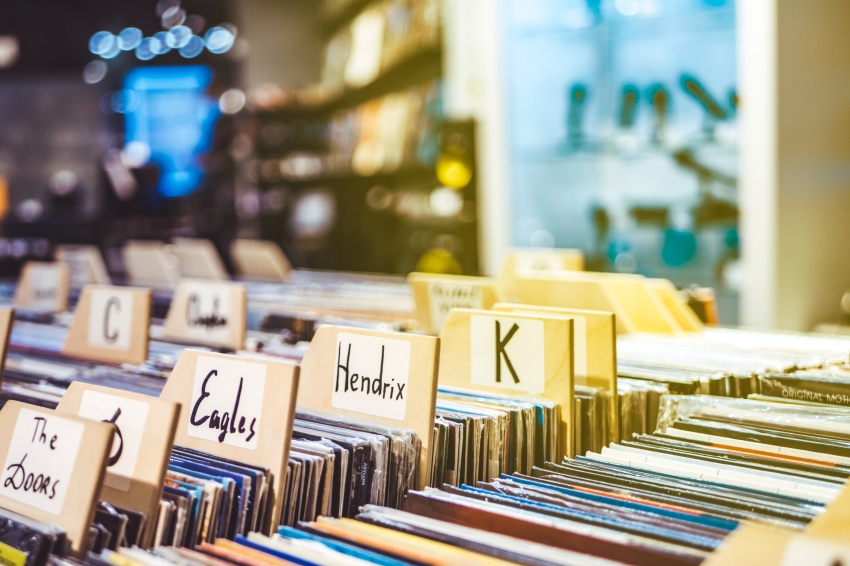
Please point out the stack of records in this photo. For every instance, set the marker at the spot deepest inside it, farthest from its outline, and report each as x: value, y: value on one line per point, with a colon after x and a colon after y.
x: 26, y: 542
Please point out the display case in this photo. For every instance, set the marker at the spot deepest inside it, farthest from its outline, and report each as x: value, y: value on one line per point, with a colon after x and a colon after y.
x: 622, y: 137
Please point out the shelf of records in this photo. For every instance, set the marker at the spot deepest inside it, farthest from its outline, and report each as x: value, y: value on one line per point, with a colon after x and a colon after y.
x: 547, y: 416
x: 383, y: 46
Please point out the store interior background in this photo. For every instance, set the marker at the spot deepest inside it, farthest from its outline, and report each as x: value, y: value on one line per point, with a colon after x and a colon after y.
x: 703, y: 141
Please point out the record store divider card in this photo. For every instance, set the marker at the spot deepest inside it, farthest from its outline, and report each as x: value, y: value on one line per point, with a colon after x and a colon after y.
x: 509, y: 352
x: 383, y: 377
x: 437, y: 295
x: 594, y: 350
x: 7, y: 317
x: 208, y: 313
x: 52, y: 467
x: 110, y: 325
x: 43, y: 287
x: 237, y: 408
x: 139, y: 458
x: 260, y: 259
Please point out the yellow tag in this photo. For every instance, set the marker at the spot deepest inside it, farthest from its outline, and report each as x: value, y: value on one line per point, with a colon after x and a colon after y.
x: 11, y: 556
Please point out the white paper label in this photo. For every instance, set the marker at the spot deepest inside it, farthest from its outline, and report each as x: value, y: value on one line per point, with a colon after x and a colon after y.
x: 443, y: 297
x: 128, y: 441
x: 538, y: 261
x: 227, y: 401
x: 811, y: 551
x: 41, y: 459
x: 110, y: 319
x: 371, y: 375
x: 507, y: 353
x: 44, y: 287
x: 208, y: 312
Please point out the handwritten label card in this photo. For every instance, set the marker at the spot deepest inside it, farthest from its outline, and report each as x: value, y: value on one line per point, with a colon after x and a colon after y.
x: 507, y: 353
x: 40, y: 460
x: 404, y: 365
x: 595, y: 349
x: 371, y: 375
x: 813, y: 551
x: 437, y: 295
x: 236, y: 408
x: 130, y: 418
x: 53, y: 466
x: 144, y: 433
x: 43, y: 287
x: 110, y: 325
x: 208, y: 313
x: 496, y: 351
x: 227, y: 401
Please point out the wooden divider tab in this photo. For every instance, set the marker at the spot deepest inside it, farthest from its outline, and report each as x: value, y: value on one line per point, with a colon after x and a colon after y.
x: 53, y: 466
x: 110, y: 325
x: 7, y: 317
x: 436, y: 295
x: 208, y: 313
x: 502, y: 352
x: 595, y: 351
x: 139, y: 459
x: 216, y: 390
x: 150, y: 263
x: 383, y: 377
x: 260, y: 259
x: 199, y: 259
x: 85, y: 264
x: 43, y: 286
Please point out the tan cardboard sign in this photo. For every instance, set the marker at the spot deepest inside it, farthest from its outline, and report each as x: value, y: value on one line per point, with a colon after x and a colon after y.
x: 260, y: 259
x: 110, y: 325
x: 43, y: 287
x: 384, y: 377
x: 139, y: 458
x: 212, y: 313
x: 237, y: 408
x: 52, y: 467
x: 501, y: 352
x: 436, y: 295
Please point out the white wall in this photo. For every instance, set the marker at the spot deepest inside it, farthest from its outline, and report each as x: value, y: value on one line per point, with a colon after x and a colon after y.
x: 795, y: 161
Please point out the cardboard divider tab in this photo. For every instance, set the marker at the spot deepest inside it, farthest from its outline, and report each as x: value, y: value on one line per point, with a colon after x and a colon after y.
x: 260, y: 393
x: 343, y: 366
x: 685, y: 316
x: 595, y: 351
x: 199, y: 259
x: 110, y: 325
x: 7, y: 317
x: 521, y: 261
x: 211, y: 313
x: 637, y: 303
x: 85, y: 264
x: 151, y: 264
x: 502, y: 352
x: 147, y: 425
x: 260, y: 259
x: 437, y: 295
x: 43, y: 286
x: 52, y: 467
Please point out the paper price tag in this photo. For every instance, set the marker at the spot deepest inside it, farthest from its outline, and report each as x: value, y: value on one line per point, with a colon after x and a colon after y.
x: 131, y: 419
x: 371, y: 375
x: 507, y: 353
x: 10, y: 556
x: 227, y: 401
x: 40, y: 460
